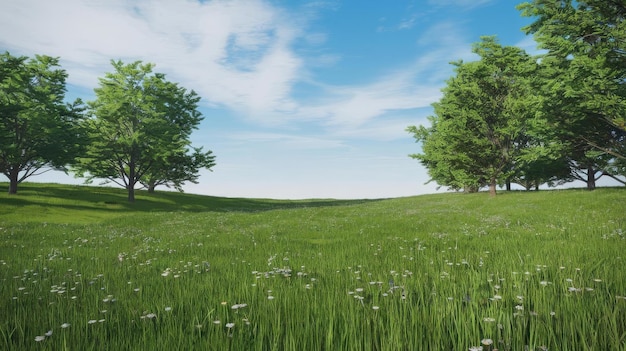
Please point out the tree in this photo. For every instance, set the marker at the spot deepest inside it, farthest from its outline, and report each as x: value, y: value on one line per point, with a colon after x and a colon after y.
x: 178, y: 169
x: 479, y: 122
x: 570, y: 131
x: 139, y: 123
x: 586, y: 45
x: 38, y: 131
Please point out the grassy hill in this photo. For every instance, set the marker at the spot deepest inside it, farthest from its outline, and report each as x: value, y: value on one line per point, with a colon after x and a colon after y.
x: 82, y: 268
x: 53, y: 202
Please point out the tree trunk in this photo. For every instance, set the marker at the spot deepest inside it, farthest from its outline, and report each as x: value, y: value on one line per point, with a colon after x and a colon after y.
x: 508, y: 185
x: 151, y: 187
x: 131, y: 178
x: 591, y: 178
x: 492, y: 187
x: 131, y: 193
x: 13, y: 175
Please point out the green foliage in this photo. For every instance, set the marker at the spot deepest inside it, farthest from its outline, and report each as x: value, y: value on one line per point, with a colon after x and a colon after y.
x: 433, y: 272
x: 140, y: 124
x: 178, y: 169
x: 37, y: 129
x: 586, y: 58
x: 479, y: 124
x: 558, y: 119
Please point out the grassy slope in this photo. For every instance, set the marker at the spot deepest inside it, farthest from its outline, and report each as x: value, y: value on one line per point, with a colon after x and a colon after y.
x: 56, y: 203
x: 449, y: 252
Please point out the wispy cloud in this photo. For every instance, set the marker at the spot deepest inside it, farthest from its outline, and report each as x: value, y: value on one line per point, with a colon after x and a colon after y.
x: 414, y: 86
x: 234, y: 53
x: 387, y: 129
x: 286, y: 140
x: 353, y: 106
x: 530, y: 46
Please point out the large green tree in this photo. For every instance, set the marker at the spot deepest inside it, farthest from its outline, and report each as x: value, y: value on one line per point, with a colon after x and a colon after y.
x: 38, y: 130
x: 586, y: 93
x: 139, y: 123
x: 479, y: 123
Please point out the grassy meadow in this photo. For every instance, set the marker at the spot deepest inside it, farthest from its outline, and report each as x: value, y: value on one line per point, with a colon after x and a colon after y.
x: 82, y: 269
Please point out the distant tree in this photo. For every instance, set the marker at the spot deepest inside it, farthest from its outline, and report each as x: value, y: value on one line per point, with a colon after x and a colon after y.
x: 38, y: 131
x: 475, y: 133
x: 139, y: 124
x: 178, y: 169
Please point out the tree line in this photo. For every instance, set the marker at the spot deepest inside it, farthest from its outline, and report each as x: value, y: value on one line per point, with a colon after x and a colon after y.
x: 552, y: 118
x: 135, y: 132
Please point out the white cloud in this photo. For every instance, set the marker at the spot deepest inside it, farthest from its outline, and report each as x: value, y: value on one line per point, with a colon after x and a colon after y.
x: 233, y: 53
x: 284, y: 140
x: 237, y: 54
x: 530, y: 46
x: 414, y: 86
x: 384, y: 129
x: 364, y: 103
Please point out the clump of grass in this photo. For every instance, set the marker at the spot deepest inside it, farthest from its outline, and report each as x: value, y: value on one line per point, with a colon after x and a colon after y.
x: 535, y: 271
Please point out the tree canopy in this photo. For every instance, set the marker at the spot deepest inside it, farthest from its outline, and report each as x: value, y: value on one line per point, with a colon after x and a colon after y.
x: 479, y: 123
x: 585, y: 92
x: 38, y: 130
x: 139, y: 130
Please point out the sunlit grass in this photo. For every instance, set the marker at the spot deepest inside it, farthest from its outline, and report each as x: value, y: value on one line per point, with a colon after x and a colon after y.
x: 540, y: 270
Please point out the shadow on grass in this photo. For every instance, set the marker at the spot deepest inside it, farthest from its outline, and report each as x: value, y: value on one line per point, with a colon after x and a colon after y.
x: 115, y: 200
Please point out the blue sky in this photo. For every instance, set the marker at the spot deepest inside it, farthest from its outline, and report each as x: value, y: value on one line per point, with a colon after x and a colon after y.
x: 301, y: 99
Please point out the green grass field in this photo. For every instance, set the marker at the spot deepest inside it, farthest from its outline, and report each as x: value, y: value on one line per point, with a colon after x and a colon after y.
x: 82, y: 269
